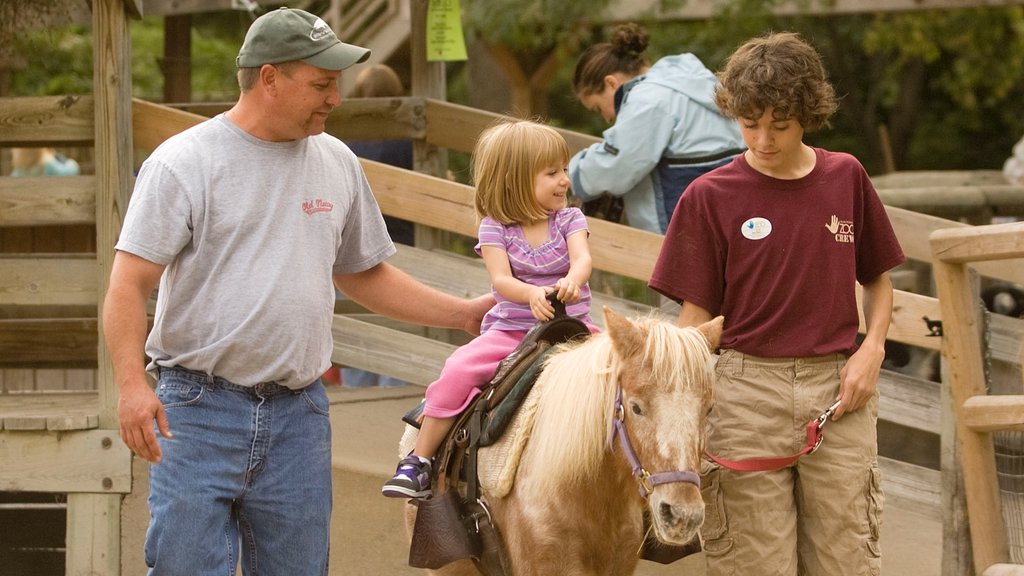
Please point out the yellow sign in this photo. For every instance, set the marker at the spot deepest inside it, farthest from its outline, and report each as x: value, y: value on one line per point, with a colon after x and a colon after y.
x: 445, y: 42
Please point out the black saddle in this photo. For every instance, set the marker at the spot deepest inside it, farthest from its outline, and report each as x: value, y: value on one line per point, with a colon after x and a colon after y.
x: 502, y: 395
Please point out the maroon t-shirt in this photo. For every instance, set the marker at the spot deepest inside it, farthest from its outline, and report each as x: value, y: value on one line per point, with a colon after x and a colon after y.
x: 780, y: 259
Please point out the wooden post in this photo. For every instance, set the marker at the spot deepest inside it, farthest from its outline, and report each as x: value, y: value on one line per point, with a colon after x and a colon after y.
x: 94, y: 519
x: 177, y: 61
x: 962, y: 345
x: 428, y: 81
x: 113, y: 117
x: 956, y: 537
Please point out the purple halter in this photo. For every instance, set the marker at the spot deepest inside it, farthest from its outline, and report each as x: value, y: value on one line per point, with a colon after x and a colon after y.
x: 645, y: 480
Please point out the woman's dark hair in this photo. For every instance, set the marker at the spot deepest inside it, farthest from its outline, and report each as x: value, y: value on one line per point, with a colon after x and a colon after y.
x: 624, y: 53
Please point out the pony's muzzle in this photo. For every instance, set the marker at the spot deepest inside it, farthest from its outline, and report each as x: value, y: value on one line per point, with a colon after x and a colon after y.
x: 678, y: 523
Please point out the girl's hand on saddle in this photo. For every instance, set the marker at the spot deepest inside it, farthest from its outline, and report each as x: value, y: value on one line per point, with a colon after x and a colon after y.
x: 567, y: 291
x: 539, y: 305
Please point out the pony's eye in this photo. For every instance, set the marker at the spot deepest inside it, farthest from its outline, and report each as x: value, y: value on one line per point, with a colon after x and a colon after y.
x: 636, y: 409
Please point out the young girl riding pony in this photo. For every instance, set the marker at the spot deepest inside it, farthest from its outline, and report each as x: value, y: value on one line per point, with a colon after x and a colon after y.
x: 532, y: 245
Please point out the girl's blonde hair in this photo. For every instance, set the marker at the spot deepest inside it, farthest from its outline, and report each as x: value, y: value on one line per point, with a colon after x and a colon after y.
x: 506, y: 160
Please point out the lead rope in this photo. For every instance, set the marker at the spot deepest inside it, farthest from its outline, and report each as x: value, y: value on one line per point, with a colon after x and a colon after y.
x: 815, y: 435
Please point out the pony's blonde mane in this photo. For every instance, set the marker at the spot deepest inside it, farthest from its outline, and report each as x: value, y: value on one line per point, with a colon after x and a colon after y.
x: 573, y: 424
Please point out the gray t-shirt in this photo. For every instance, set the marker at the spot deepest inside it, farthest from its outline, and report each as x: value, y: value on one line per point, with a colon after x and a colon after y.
x: 250, y: 232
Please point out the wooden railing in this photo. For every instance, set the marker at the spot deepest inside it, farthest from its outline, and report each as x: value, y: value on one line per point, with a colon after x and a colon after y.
x: 366, y: 342
x: 977, y: 413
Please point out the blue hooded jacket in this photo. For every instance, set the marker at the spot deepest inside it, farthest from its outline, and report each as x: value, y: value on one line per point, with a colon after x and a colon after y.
x: 667, y: 132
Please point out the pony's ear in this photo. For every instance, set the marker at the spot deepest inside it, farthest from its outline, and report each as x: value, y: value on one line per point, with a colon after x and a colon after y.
x: 712, y: 331
x: 626, y: 337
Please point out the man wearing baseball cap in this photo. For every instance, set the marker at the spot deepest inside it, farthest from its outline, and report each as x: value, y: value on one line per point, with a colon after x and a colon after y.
x: 286, y: 35
x: 248, y: 222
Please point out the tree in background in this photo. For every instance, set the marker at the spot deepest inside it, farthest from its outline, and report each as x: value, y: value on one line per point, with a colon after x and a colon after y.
x: 58, y: 59
x: 935, y: 89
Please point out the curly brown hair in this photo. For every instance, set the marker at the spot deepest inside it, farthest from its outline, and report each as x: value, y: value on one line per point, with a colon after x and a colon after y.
x: 780, y: 71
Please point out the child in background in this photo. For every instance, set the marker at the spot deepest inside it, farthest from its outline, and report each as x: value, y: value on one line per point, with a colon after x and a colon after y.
x: 532, y: 244
x: 42, y: 162
x: 776, y: 241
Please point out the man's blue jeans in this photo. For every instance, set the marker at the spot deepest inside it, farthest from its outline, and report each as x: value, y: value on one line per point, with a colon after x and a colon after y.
x: 247, y: 475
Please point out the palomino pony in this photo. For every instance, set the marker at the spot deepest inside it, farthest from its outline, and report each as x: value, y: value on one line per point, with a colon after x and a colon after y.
x: 618, y: 430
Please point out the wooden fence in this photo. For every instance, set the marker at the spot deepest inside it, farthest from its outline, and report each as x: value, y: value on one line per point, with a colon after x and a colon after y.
x: 45, y: 299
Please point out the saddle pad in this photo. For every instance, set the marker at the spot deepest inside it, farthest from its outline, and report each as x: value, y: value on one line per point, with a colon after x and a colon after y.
x: 408, y: 441
x: 497, y: 464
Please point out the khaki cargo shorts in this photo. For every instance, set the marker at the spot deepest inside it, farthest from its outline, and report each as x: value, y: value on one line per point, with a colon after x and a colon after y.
x: 818, y: 517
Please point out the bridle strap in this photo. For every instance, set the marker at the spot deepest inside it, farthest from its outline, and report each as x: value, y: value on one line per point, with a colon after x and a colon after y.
x: 645, y: 480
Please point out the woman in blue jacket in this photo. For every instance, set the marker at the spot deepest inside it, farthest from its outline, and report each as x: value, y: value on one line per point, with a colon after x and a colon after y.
x: 667, y: 129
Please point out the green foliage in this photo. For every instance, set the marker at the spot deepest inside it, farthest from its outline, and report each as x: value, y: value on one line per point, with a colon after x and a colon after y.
x: 527, y: 25
x: 946, y: 84
x: 976, y: 54
x: 59, y: 60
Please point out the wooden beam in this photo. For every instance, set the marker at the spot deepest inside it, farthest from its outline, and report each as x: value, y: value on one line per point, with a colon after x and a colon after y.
x: 466, y: 277
x: 354, y: 119
x: 47, y: 280
x: 427, y: 80
x: 379, y: 119
x: 112, y: 85
x: 153, y: 123
x: 93, y: 533
x: 447, y: 205
x: 911, y: 487
x: 979, y: 243
x: 913, y: 230
x: 82, y: 461
x: 57, y: 411
x: 958, y: 201
x: 992, y: 413
x: 962, y: 347
x: 457, y: 127
x: 48, y: 343
x: 47, y: 121
x: 915, y: 179
x: 42, y: 201
x: 387, y: 351
x: 908, y: 312
x: 909, y: 401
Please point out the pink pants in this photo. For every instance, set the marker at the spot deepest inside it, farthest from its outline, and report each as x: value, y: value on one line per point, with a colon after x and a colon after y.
x: 467, y: 370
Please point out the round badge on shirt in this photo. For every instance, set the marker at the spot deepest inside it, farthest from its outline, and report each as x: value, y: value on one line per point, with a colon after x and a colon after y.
x: 756, y: 229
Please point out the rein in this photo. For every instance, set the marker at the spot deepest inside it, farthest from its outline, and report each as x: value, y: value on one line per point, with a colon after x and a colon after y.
x: 815, y: 434
x: 644, y: 479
